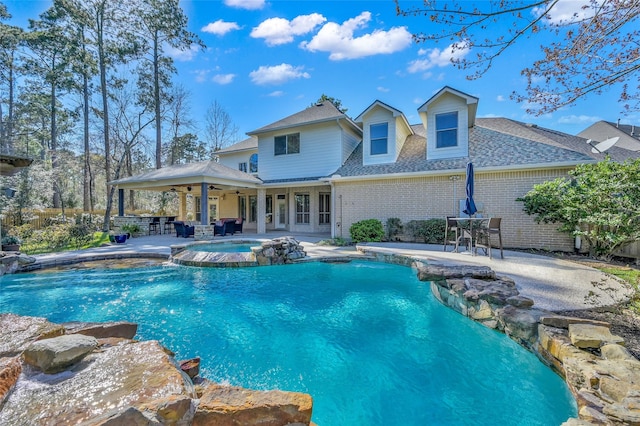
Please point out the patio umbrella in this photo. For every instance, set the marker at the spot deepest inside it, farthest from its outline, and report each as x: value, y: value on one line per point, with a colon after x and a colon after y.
x: 469, y: 205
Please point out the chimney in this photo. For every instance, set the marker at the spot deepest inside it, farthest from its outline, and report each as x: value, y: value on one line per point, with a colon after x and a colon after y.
x: 618, y: 124
x: 633, y: 128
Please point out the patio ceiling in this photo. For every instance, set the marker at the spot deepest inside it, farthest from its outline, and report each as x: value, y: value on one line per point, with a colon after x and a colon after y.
x: 10, y: 164
x: 181, y: 176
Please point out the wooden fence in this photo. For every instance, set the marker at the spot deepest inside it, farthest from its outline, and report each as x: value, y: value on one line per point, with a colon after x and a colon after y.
x: 39, y: 218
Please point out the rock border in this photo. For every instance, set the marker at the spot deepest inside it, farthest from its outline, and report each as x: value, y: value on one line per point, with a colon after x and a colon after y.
x: 602, y: 375
x: 133, y: 382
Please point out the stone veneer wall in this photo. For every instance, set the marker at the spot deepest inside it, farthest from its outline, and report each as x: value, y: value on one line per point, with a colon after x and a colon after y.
x: 417, y: 198
x: 602, y: 375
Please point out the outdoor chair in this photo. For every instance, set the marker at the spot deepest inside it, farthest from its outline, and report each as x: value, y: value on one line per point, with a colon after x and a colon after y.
x: 227, y: 227
x: 238, y: 225
x: 486, y: 233
x: 183, y: 230
x: 451, y: 230
x: 168, y: 224
x: 154, y: 225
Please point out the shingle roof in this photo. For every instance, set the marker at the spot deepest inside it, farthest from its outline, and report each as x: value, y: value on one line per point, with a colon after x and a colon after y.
x: 203, y: 171
x: 250, y: 143
x: 316, y: 113
x: 487, y: 148
x: 553, y: 137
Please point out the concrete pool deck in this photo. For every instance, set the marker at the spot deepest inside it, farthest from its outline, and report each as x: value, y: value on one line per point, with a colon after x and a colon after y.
x: 553, y: 284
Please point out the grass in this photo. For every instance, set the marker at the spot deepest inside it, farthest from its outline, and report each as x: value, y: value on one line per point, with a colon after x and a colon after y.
x: 97, y: 240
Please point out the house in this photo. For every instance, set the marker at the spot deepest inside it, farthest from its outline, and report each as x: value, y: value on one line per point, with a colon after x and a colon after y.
x: 628, y: 144
x: 320, y: 171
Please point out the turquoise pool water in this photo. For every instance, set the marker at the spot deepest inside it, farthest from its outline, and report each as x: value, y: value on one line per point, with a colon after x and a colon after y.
x: 224, y: 247
x: 367, y: 340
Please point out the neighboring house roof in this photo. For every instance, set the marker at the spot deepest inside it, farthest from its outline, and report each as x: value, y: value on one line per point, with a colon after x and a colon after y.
x: 184, y: 174
x: 488, y: 148
x: 629, y: 134
x: 554, y: 138
x: 317, y: 113
x: 245, y: 145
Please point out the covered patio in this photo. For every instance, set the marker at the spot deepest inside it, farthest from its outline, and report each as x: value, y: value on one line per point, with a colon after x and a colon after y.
x: 217, y: 191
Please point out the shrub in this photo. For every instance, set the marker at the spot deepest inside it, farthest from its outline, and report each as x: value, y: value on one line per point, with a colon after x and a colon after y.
x: 430, y: 231
x: 368, y: 230
x: 11, y: 239
x: 394, y: 227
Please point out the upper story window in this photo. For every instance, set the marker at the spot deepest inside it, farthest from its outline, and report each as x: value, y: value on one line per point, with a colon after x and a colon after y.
x: 253, y: 163
x: 447, y: 130
x: 242, y: 167
x: 378, y: 133
x: 288, y: 144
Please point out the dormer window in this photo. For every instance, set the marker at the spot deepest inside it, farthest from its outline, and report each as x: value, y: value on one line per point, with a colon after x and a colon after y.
x: 378, y: 134
x: 288, y: 144
x: 447, y: 130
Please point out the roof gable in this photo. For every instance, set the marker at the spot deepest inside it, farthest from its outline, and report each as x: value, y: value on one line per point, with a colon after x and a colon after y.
x: 317, y: 113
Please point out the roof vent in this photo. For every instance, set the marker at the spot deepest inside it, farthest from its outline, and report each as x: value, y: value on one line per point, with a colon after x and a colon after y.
x: 532, y: 125
x: 319, y: 103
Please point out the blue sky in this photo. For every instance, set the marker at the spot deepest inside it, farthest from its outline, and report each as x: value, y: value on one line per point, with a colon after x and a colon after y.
x: 268, y: 59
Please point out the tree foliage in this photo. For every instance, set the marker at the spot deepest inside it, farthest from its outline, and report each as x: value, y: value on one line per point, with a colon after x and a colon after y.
x: 335, y: 101
x: 594, y: 44
x: 598, y: 202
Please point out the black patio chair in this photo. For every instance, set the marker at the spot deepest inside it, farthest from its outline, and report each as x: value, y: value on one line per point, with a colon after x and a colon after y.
x: 183, y: 230
x: 168, y: 224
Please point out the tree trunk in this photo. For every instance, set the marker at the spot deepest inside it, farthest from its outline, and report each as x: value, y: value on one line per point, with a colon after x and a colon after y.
x: 54, y: 147
x: 156, y: 95
x: 105, y: 114
x: 87, y: 205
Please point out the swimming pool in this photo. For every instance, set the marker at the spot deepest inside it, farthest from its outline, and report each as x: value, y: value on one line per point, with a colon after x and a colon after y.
x: 367, y: 340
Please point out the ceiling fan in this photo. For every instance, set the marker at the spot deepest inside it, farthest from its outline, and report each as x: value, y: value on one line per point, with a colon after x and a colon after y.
x: 214, y: 188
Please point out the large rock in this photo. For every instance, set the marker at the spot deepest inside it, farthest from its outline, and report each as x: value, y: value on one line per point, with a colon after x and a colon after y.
x: 17, y: 332
x: 446, y: 272
x: 520, y: 324
x: 232, y: 406
x: 102, y: 330
x: 139, y: 376
x: 592, y: 336
x: 55, y: 354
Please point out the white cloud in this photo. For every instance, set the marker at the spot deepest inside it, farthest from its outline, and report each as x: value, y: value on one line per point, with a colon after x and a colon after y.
x: 276, y: 94
x: 220, y: 27
x: 382, y: 89
x: 277, y: 31
x: 182, y: 55
x: 339, y: 40
x: 277, y: 74
x: 201, y: 75
x: 223, y: 78
x: 500, y: 98
x: 437, y: 58
x: 569, y: 11
x: 246, y: 4
x: 578, y: 119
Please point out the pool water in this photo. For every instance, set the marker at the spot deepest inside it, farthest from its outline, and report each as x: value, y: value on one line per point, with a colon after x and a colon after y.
x: 224, y: 247
x: 367, y: 340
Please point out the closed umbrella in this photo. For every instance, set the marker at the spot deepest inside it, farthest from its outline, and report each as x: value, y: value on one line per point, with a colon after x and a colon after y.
x: 469, y: 205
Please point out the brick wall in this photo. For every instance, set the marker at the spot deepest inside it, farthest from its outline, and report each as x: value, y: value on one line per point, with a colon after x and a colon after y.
x: 433, y: 197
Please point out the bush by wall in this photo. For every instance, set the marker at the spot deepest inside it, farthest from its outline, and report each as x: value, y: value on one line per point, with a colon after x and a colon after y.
x: 368, y: 230
x: 429, y: 231
x: 394, y: 228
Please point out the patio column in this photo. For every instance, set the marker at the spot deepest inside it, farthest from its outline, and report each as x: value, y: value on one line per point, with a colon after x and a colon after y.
x: 182, y: 206
x: 204, y: 203
x: 262, y: 211
x: 120, y: 202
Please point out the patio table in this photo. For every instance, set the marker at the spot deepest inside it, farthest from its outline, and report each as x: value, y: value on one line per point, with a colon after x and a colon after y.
x: 466, y: 224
